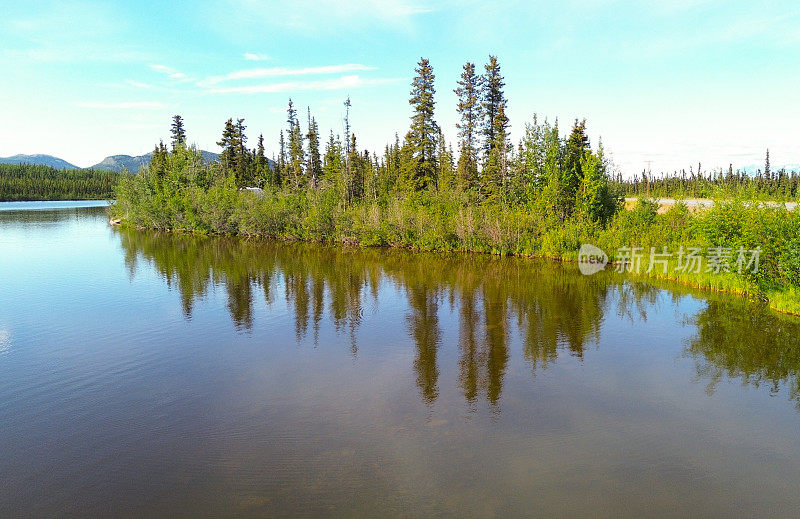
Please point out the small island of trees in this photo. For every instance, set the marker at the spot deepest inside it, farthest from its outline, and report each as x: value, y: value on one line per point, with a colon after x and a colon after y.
x: 544, y: 196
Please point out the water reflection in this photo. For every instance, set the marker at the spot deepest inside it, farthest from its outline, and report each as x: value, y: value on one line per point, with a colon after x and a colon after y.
x: 740, y: 341
x: 551, y: 309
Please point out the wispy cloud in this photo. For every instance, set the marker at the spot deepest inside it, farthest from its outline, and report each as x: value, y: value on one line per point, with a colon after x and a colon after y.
x: 283, y: 72
x: 138, y: 84
x: 135, y: 105
x: 169, y: 71
x: 250, y: 56
x: 340, y: 83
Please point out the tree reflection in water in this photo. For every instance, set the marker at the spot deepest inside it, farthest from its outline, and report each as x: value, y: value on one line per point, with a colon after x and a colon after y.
x: 555, y: 309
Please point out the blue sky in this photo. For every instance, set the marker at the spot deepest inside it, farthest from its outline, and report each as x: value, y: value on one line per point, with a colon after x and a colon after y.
x: 674, y: 83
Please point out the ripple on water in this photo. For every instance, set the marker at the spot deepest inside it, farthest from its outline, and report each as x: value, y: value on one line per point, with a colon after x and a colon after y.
x: 5, y: 342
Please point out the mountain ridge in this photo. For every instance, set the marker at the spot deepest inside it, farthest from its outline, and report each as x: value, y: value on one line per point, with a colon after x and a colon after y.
x: 38, y: 159
x: 118, y: 163
x: 132, y: 163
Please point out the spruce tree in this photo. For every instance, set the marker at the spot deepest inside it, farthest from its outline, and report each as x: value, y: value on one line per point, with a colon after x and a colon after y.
x: 227, y: 143
x: 347, y: 105
x: 295, y: 164
x: 444, y: 160
x: 158, y: 161
x: 280, y: 172
x: 575, y: 149
x: 262, y: 173
x: 178, y: 132
x: 333, y: 163
x: 767, y: 171
x: 314, y: 162
x: 422, y: 135
x: 492, y: 97
x: 468, y: 109
x: 241, y: 165
x: 261, y: 158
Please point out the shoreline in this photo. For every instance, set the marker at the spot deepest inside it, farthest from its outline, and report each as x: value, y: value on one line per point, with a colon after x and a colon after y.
x: 750, y: 295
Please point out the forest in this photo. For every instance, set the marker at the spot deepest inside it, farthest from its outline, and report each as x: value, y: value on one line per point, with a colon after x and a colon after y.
x: 543, y: 196
x: 19, y: 182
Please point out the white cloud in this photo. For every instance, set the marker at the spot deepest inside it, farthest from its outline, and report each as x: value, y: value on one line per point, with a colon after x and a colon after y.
x: 138, y: 84
x: 340, y: 83
x: 250, y: 56
x: 136, y: 105
x: 283, y: 72
x: 169, y: 71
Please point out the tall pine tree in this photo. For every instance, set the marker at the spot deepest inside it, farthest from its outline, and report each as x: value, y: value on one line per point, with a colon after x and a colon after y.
x: 423, y: 133
x: 314, y: 162
x: 295, y: 151
x: 178, y: 132
x: 227, y: 141
x: 469, y: 111
x: 492, y: 97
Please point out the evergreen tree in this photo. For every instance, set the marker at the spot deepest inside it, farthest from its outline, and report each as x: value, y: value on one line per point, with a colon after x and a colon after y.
x: 492, y: 98
x: 295, y: 151
x: 314, y: 162
x: 242, y: 170
x: 501, y: 143
x: 260, y: 155
x: 422, y: 135
x: 333, y: 163
x: 281, y: 167
x: 444, y: 160
x: 575, y: 148
x: 262, y: 173
x: 178, y: 132
x: 468, y: 109
x: 494, y: 177
x: 227, y: 143
x: 235, y: 157
x: 767, y: 171
x: 159, y: 160
x: 356, y: 173
x: 347, y: 105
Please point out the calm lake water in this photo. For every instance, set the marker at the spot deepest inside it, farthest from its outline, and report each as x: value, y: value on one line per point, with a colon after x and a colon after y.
x: 148, y: 374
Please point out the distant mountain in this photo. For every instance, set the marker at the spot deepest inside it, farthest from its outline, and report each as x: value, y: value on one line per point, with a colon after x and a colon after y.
x: 132, y: 164
x: 39, y: 160
x: 112, y: 163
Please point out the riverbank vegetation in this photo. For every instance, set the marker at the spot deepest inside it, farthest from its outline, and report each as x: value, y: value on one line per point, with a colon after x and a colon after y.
x: 21, y: 182
x: 544, y: 196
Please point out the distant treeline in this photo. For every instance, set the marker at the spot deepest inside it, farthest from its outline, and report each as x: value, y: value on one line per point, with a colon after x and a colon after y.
x: 766, y: 184
x: 35, y: 182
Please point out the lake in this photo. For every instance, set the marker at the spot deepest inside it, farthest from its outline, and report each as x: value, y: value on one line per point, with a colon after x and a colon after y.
x: 156, y: 374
